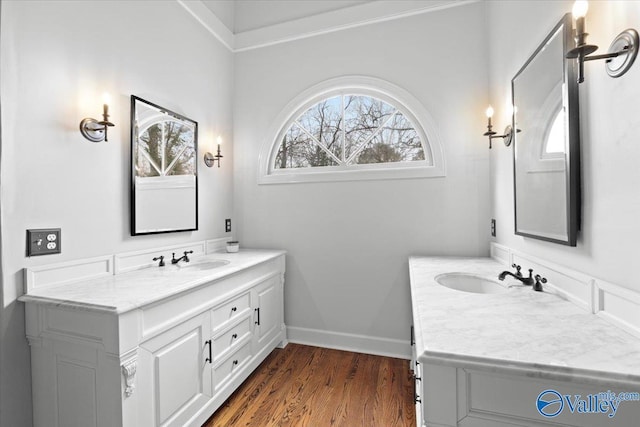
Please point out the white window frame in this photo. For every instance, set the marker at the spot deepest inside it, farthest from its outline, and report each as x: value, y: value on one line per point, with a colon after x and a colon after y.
x: 403, y: 101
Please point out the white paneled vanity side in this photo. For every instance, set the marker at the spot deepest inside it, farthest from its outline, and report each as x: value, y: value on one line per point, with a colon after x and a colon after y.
x: 160, y: 346
x: 485, y: 351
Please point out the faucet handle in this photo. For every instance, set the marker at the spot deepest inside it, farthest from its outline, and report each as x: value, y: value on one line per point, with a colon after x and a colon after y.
x: 161, y: 258
x: 539, y: 281
x: 517, y: 267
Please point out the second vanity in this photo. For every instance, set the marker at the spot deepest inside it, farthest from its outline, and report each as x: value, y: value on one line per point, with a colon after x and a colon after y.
x: 484, y: 359
x: 161, y: 346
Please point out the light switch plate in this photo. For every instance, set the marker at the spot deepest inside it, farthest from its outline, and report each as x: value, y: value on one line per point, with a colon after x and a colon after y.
x: 43, y: 241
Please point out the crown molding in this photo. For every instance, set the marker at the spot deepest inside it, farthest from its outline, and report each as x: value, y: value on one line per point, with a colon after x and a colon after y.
x: 209, y: 21
x: 324, y: 23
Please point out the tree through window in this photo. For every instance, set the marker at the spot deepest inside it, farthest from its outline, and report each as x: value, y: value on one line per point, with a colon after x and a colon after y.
x: 349, y: 130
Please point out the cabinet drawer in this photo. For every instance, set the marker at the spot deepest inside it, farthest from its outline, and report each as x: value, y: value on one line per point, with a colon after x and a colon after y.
x: 226, y: 341
x: 230, y: 310
x: 236, y: 361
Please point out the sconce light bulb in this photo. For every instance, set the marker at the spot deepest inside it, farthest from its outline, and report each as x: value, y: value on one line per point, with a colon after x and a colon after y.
x: 580, y: 8
x: 489, y: 112
x: 219, y: 140
x: 106, y: 98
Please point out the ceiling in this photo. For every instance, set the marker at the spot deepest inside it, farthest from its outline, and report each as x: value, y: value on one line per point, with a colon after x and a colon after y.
x: 246, y: 15
x: 249, y: 24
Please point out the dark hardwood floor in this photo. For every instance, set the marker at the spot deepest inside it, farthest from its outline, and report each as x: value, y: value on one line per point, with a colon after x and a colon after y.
x: 311, y: 386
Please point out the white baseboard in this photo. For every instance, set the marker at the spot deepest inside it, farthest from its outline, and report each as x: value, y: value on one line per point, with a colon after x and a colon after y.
x: 350, y: 342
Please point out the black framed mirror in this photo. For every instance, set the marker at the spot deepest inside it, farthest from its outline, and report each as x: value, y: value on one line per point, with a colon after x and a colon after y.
x: 546, y: 152
x: 164, y: 170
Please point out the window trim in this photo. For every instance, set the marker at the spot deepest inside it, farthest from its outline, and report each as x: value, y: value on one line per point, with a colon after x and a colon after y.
x: 399, y: 98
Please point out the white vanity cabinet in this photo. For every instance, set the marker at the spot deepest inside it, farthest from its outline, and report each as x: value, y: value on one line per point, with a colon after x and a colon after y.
x: 171, y: 362
x: 269, y: 305
x: 517, y: 358
x: 173, y: 380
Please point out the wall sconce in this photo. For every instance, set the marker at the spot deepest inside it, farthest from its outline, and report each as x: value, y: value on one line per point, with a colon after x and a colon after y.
x: 210, y: 159
x: 624, y: 47
x: 507, y: 137
x: 96, y: 131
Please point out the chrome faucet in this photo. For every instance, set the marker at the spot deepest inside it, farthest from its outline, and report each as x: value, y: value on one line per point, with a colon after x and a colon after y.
x: 184, y: 257
x: 528, y: 281
x: 534, y: 281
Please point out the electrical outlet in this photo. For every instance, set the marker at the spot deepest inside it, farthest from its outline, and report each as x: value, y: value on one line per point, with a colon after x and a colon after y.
x: 493, y: 227
x: 227, y: 225
x: 44, y: 241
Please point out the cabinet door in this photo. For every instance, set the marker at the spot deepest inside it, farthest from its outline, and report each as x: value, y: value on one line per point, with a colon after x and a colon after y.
x: 268, y: 312
x: 173, y: 373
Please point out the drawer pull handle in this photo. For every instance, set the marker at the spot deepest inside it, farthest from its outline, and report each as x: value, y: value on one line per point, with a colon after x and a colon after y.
x: 257, y: 310
x: 418, y: 378
x: 210, y: 358
x: 235, y: 362
x: 234, y: 336
x: 233, y: 309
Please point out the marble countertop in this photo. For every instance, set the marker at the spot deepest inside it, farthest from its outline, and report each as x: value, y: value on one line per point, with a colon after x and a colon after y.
x: 521, y: 329
x: 128, y: 291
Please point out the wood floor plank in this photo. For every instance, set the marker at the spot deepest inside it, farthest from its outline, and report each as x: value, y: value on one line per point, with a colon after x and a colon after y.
x: 285, y: 390
x: 311, y: 386
x: 250, y: 390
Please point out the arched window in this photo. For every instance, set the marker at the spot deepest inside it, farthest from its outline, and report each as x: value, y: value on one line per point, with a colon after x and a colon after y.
x: 352, y: 128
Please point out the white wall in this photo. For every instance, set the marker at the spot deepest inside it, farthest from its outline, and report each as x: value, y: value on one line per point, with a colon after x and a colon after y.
x: 57, y: 59
x: 610, y: 125
x: 348, y: 242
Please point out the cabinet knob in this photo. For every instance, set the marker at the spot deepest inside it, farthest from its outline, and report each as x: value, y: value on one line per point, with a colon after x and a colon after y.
x: 234, y: 308
x: 235, y: 362
x: 234, y: 336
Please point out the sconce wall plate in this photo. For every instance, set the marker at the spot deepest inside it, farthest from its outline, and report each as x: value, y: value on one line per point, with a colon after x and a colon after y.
x: 626, y: 42
x: 96, y: 131
x: 507, y: 138
x: 209, y: 159
x: 92, y: 130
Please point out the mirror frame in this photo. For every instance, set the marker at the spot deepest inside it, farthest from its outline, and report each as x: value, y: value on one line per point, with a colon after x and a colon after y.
x: 572, y: 143
x: 135, y: 99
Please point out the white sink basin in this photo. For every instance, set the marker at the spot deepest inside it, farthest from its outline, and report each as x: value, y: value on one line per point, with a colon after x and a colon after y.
x: 204, y: 265
x: 466, y: 282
